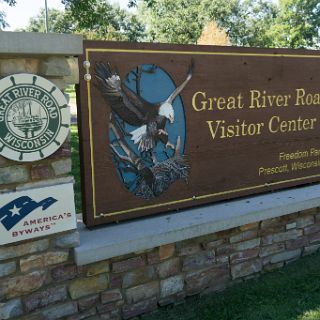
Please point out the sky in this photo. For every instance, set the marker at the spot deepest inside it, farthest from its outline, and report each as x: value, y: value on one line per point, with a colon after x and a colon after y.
x: 19, y: 15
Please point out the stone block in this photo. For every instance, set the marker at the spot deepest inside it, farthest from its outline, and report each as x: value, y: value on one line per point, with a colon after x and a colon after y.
x: 215, y: 244
x: 176, y: 299
x: 311, y: 229
x: 142, y: 292
x: 273, y: 230
x: 190, y: 249
x: 7, y: 268
x: 44, y: 298
x: 44, y: 183
x: 115, y: 281
x: 42, y: 260
x: 266, y: 240
x: 166, y: 251
x: 10, y: 309
x: 130, y: 311
x: 111, y: 296
x: 311, y: 211
x: 245, y: 245
x: 55, y: 66
x: 110, y: 308
x: 22, y: 284
x: 63, y: 152
x: 129, y: 264
x: 33, y: 316
x: 292, y: 217
x: 270, y: 223
x: 199, y: 280
x: 311, y: 249
x: 288, y: 235
x: 271, y: 249
x: 14, y: 174
x: 246, y: 235
x: 18, y: 65
x: 9, y: 252
x: 97, y: 268
x: 88, y: 302
x: 222, y: 259
x: 314, y: 237
x: 171, y: 286
x: 246, y: 268
x: 198, y: 261
x: 298, y: 243
x: 4, y: 162
x: 291, y: 225
x: 73, y: 78
x: 65, y: 272
x: 304, y: 221
x: 249, y: 226
x: 41, y: 171
x: 168, y: 268
x: 60, y: 311
x: 61, y: 83
x: 138, y: 276
x: 274, y: 266
x: 224, y: 250
x: 88, y: 286
x: 286, y: 255
x: 153, y: 257
x: 242, y: 256
x: 62, y: 167
x: 84, y: 315
x: 69, y: 240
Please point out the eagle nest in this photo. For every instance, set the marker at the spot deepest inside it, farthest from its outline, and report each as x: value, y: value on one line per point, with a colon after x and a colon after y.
x: 163, y: 175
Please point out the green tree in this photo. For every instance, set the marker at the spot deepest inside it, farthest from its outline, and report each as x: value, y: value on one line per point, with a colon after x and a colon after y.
x: 297, y: 24
x: 259, y: 23
x: 97, y: 19
x: 181, y: 21
x: 3, y: 22
x: 173, y: 21
x: 59, y: 22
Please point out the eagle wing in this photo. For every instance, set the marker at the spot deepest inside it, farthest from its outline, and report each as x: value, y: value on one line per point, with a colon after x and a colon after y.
x: 129, y: 106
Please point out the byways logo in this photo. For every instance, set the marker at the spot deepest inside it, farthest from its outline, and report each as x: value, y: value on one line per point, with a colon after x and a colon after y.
x: 16, y: 210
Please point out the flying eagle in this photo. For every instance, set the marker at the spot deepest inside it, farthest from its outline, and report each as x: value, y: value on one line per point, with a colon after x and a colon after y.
x: 150, y: 118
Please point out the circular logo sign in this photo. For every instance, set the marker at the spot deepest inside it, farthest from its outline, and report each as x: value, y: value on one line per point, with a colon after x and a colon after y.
x: 34, y: 117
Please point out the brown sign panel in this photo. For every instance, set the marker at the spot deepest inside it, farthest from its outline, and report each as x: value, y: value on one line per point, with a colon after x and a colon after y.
x: 166, y: 127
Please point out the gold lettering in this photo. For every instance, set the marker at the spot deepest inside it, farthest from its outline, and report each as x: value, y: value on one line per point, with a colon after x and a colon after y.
x: 203, y: 103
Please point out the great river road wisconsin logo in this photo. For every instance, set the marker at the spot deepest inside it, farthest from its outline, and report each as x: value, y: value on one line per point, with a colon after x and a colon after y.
x: 34, y: 117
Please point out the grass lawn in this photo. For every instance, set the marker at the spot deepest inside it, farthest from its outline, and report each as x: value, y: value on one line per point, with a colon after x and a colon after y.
x: 76, y: 166
x: 293, y: 293
x: 72, y: 94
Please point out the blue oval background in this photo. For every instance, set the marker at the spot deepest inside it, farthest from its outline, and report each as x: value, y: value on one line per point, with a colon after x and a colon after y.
x: 156, y: 85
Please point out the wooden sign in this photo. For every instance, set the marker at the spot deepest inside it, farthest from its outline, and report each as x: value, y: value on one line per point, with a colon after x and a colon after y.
x: 166, y: 127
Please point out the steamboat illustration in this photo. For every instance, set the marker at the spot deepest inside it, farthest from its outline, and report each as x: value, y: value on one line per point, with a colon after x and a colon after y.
x: 25, y: 121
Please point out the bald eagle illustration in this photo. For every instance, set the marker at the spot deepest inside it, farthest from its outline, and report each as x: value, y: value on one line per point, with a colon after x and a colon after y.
x: 149, y: 118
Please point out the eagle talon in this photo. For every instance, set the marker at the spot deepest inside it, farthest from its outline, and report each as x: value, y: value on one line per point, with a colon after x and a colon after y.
x: 170, y: 145
x: 161, y: 131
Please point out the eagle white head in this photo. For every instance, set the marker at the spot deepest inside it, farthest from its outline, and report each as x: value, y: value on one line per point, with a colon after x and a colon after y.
x: 167, y: 111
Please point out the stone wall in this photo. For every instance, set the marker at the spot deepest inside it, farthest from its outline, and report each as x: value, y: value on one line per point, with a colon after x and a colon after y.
x: 24, y: 267
x: 39, y: 279
x: 62, y: 71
